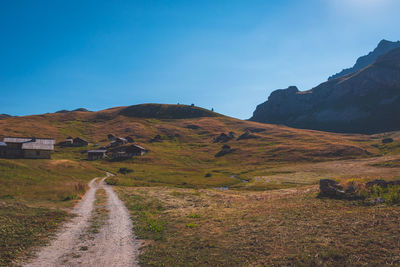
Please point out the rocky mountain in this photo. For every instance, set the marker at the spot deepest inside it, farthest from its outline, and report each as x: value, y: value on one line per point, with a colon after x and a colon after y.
x: 383, y: 47
x: 367, y: 101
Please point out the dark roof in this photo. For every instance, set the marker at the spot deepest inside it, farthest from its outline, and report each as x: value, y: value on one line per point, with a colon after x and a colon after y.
x: 140, y: 147
x: 128, y: 147
x: 79, y: 139
x: 97, y: 151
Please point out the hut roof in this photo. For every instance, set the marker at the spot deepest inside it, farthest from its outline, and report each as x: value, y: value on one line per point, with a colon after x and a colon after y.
x: 127, y: 147
x: 97, y: 151
x: 37, y: 146
x: 46, y: 141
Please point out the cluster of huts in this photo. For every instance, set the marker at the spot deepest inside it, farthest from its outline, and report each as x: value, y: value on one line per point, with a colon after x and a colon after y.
x: 41, y: 148
x: 119, y: 148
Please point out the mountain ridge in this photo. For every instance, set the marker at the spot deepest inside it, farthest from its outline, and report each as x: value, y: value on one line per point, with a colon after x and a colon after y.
x: 366, y: 101
x: 383, y: 47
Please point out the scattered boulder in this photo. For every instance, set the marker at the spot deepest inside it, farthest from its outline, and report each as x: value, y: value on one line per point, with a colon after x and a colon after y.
x: 111, y: 137
x: 224, y: 150
x: 330, y: 188
x: 222, y: 138
x: 387, y: 140
x: 156, y: 138
x: 247, y: 135
x: 193, y: 126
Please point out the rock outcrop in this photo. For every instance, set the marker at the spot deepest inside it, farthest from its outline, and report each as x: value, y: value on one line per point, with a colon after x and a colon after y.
x: 364, y: 102
x: 383, y: 47
x: 224, y: 150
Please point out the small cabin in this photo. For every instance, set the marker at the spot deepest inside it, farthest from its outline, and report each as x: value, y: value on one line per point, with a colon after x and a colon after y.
x: 77, y: 141
x: 127, y: 151
x: 97, y: 154
x: 27, y: 147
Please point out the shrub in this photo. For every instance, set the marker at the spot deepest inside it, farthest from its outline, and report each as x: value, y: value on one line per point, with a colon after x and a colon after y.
x: 112, y: 181
x: 194, y: 215
x: 124, y: 170
x: 391, y: 194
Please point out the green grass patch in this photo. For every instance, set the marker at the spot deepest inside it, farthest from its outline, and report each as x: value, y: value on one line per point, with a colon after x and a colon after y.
x: 22, y: 227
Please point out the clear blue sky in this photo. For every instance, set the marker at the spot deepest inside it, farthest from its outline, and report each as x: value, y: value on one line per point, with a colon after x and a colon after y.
x: 223, y: 54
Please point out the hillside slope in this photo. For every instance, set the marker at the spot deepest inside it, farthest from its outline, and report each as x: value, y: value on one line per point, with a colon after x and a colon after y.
x: 189, y: 147
x: 367, y: 101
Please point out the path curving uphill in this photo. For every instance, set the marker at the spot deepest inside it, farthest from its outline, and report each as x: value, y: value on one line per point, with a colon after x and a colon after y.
x: 113, y: 245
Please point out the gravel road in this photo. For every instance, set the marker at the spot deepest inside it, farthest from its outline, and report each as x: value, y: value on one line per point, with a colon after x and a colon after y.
x: 113, y: 245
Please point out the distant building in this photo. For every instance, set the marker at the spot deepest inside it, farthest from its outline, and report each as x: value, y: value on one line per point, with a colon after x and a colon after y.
x: 127, y: 151
x: 119, y: 141
x: 97, y: 154
x: 79, y: 142
x: 26, y: 147
x: 76, y: 142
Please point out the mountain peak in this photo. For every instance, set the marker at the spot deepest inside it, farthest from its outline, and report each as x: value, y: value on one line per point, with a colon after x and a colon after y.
x: 363, y: 102
x: 383, y: 47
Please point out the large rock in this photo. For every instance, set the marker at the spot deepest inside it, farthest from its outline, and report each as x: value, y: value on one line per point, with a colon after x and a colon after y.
x: 330, y: 188
x: 224, y: 150
x: 223, y: 137
x: 362, y: 102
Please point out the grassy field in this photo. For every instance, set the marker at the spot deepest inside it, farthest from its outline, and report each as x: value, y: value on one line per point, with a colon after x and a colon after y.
x: 254, y: 206
x: 291, y: 227
x: 33, y: 198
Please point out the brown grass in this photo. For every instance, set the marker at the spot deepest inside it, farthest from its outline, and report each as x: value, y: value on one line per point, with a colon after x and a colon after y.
x: 274, y: 228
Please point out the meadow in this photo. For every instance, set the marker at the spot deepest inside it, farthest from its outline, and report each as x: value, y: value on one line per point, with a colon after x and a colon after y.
x: 254, y: 206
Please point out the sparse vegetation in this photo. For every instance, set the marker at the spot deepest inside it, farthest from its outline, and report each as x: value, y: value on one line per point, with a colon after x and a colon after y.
x: 262, y: 212
x: 273, y: 228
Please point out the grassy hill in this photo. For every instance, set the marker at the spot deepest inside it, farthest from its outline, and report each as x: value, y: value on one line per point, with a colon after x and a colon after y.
x: 187, y: 151
x: 171, y: 190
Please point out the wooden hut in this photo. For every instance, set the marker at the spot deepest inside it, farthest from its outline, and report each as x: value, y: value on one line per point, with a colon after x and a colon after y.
x: 27, y: 147
x: 127, y: 151
x: 97, y: 154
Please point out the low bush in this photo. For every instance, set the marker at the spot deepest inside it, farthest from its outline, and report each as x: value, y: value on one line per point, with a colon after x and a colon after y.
x: 111, y: 181
x: 390, y: 194
x: 125, y: 170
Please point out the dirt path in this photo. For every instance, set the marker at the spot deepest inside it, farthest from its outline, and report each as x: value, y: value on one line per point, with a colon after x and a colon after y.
x: 112, y: 245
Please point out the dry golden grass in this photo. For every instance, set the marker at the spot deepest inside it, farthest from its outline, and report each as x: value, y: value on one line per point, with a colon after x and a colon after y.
x: 271, y: 228
x: 185, y: 222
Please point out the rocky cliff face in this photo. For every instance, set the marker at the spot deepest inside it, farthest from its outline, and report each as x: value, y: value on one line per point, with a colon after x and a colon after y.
x: 383, y: 47
x: 367, y: 101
